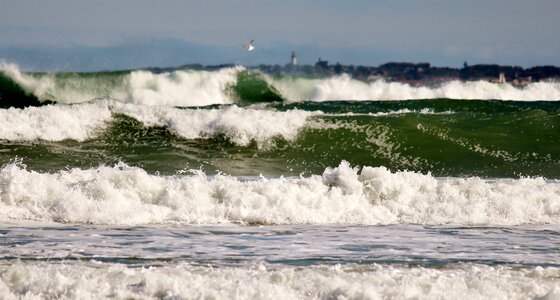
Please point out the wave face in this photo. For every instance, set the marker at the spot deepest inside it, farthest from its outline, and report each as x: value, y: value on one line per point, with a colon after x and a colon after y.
x: 236, y: 184
x: 179, y: 88
x: 444, y: 137
x: 130, y: 196
x: 237, y: 85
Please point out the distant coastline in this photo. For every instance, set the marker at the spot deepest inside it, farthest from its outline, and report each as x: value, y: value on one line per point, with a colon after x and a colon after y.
x: 411, y: 73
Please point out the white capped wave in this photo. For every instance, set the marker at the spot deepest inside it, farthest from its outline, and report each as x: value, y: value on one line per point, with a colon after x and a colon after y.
x: 96, y: 281
x: 178, y: 88
x: 37, y: 86
x: 181, y: 88
x: 88, y: 120
x: 239, y: 125
x: 199, y: 88
x: 343, y: 87
x: 129, y: 195
x: 54, y: 123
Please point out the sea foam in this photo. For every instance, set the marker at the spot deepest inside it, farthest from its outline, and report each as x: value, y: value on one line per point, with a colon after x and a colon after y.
x: 343, y: 87
x: 177, y: 88
x: 88, y: 120
x: 94, y: 281
x: 342, y: 195
x: 201, y: 88
x: 239, y: 125
x: 54, y: 123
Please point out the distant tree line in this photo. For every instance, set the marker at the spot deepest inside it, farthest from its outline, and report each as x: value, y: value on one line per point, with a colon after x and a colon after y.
x: 397, y: 71
x: 417, y: 71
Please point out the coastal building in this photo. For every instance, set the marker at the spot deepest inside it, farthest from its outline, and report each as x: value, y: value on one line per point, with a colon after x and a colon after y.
x: 293, y: 61
x: 324, y: 64
x: 501, y: 78
x: 522, y: 81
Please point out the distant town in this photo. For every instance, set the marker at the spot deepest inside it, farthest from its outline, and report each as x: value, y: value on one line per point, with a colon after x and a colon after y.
x: 416, y: 74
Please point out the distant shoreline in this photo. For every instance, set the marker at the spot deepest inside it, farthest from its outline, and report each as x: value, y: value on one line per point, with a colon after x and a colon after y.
x: 412, y: 73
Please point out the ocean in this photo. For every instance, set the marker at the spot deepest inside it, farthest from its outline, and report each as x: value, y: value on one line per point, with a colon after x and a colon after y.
x: 235, y: 184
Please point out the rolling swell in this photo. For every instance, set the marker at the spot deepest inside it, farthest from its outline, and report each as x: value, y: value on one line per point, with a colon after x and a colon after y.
x: 444, y: 137
x: 241, y: 86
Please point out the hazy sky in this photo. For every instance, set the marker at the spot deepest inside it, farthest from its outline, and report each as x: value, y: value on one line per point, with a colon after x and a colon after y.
x: 444, y: 32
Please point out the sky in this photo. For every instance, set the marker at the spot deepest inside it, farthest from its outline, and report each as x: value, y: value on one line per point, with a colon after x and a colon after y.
x: 442, y: 32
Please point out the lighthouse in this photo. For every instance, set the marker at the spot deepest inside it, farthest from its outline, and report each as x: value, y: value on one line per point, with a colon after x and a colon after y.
x: 294, y: 58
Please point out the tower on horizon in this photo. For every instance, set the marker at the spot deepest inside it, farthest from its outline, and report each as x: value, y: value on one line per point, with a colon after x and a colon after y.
x: 294, y: 58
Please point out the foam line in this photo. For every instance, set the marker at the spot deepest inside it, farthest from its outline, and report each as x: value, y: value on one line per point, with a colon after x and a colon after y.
x: 342, y: 195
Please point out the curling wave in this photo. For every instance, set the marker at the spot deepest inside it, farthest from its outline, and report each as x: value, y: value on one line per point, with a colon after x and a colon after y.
x: 237, y: 85
x: 88, y: 120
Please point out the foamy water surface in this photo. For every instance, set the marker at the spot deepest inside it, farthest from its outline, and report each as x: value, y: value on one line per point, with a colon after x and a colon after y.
x: 119, y: 189
x: 311, y: 262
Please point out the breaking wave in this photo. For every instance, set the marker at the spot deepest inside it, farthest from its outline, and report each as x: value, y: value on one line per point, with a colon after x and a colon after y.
x: 342, y: 195
x: 88, y: 120
x: 345, y: 88
x: 235, y: 85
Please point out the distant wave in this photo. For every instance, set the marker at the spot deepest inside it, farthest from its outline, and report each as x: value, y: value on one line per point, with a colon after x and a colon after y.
x: 179, y: 88
x: 88, y: 120
x: 238, y: 85
x: 345, y: 88
x: 342, y: 195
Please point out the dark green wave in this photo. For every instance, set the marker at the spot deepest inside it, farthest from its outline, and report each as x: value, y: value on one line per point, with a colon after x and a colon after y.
x: 444, y: 137
x: 13, y: 95
x: 251, y: 87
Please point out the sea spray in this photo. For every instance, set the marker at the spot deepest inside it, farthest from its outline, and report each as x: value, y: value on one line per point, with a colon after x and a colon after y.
x: 343, y: 87
x: 239, y: 85
x: 259, y: 282
x: 88, y: 120
x: 130, y: 196
x: 177, y: 88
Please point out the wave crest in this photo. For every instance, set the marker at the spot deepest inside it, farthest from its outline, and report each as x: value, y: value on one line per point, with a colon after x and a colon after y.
x: 342, y: 195
x: 238, y: 85
x: 88, y: 120
x: 343, y: 87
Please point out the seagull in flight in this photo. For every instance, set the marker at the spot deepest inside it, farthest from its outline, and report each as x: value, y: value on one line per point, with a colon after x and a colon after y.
x: 250, y: 46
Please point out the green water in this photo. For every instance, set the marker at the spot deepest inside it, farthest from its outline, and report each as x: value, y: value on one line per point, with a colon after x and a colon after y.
x: 445, y: 137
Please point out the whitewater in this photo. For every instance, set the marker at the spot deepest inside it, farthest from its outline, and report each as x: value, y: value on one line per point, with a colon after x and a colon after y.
x: 129, y: 196
x: 236, y: 184
x: 199, y: 88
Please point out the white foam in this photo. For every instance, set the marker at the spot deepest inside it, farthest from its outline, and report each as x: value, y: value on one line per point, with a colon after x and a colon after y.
x: 54, y: 123
x: 178, y: 88
x: 128, y: 196
x: 87, y: 120
x: 239, y: 125
x: 83, y: 281
x: 37, y: 86
x: 198, y: 88
x: 343, y: 87
x: 423, y: 111
x: 181, y: 88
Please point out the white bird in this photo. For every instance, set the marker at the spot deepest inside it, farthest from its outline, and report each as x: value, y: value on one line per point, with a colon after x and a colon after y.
x: 250, y: 46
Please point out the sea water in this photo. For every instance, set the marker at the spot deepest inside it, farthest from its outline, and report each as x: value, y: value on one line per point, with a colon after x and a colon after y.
x: 179, y: 186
